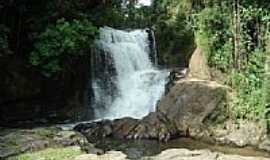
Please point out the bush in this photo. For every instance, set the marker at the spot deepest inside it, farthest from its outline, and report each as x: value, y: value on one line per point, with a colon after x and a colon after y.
x: 214, y: 34
x: 249, y: 101
x: 62, y: 40
x: 214, y: 37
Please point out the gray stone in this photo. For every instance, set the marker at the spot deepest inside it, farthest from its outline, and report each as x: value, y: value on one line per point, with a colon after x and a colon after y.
x: 244, y: 133
x: 265, y: 145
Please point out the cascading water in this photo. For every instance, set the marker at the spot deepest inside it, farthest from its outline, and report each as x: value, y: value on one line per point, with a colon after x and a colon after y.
x: 129, y: 85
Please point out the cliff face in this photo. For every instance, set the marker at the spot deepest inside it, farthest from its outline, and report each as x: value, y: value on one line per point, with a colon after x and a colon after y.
x: 26, y: 95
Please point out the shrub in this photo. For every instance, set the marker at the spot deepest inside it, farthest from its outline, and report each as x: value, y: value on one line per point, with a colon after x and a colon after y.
x: 214, y: 37
x: 62, y: 40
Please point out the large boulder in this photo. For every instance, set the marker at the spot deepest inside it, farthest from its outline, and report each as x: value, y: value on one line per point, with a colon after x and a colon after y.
x: 185, y: 110
x: 191, y: 102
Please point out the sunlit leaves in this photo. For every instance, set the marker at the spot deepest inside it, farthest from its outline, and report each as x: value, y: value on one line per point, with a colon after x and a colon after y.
x: 59, y: 41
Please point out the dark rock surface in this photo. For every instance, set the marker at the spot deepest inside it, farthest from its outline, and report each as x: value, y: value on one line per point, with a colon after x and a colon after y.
x: 29, y: 97
x: 17, y: 141
x: 192, y: 108
x: 185, y: 109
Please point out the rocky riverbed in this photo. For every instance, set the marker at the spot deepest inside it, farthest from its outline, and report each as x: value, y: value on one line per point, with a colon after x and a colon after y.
x: 191, y: 122
x: 58, y: 144
x: 192, y: 108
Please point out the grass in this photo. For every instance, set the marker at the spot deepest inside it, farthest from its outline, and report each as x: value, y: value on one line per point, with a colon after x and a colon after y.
x: 50, y: 154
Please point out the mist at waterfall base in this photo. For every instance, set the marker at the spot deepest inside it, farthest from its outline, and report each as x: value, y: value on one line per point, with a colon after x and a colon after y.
x: 130, y: 85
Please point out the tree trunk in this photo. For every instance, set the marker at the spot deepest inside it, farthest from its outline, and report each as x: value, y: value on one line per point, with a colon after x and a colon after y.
x: 237, y: 60
x: 267, y: 85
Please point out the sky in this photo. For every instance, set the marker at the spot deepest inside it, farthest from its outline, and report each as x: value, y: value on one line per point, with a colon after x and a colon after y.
x: 145, y: 2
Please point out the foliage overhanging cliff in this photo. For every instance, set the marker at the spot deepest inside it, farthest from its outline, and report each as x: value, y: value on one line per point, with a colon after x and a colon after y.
x: 47, y: 37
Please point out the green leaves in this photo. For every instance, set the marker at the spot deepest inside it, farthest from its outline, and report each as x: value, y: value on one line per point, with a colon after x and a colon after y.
x: 214, y: 27
x: 64, y: 39
x: 213, y: 32
x: 249, y: 101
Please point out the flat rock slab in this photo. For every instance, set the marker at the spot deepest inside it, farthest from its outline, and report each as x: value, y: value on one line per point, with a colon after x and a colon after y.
x: 171, y: 154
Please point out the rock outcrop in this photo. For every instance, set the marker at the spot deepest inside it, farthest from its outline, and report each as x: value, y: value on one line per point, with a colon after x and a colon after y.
x: 192, y: 108
x: 191, y: 103
x: 239, y: 134
x: 198, y: 67
x: 185, y: 110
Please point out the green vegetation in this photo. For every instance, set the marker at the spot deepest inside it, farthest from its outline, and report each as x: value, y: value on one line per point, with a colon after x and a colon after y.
x: 174, y: 35
x: 214, y: 36
x: 61, y: 42
x: 233, y: 36
x: 234, y: 41
x: 50, y: 35
x: 50, y: 154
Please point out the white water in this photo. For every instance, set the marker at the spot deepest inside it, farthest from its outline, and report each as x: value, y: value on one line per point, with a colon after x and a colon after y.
x: 138, y: 85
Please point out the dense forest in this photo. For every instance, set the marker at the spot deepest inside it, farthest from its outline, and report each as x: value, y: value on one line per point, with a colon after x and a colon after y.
x: 47, y: 49
x: 53, y: 37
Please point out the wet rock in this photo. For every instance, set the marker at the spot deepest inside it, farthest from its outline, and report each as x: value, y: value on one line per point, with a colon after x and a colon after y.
x: 182, y: 112
x: 154, y: 126
x: 123, y: 127
x: 192, y: 108
x: 96, y: 130
x: 188, y: 109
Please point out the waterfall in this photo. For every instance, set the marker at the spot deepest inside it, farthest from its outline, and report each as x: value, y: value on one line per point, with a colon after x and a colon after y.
x: 126, y: 83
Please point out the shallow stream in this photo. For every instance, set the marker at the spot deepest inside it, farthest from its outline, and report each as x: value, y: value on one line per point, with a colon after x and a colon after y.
x: 136, y: 149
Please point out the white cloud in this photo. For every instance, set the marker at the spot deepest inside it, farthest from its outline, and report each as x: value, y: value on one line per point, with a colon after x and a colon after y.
x: 145, y: 2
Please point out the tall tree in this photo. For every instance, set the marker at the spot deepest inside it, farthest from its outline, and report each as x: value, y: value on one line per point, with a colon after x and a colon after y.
x: 237, y: 29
